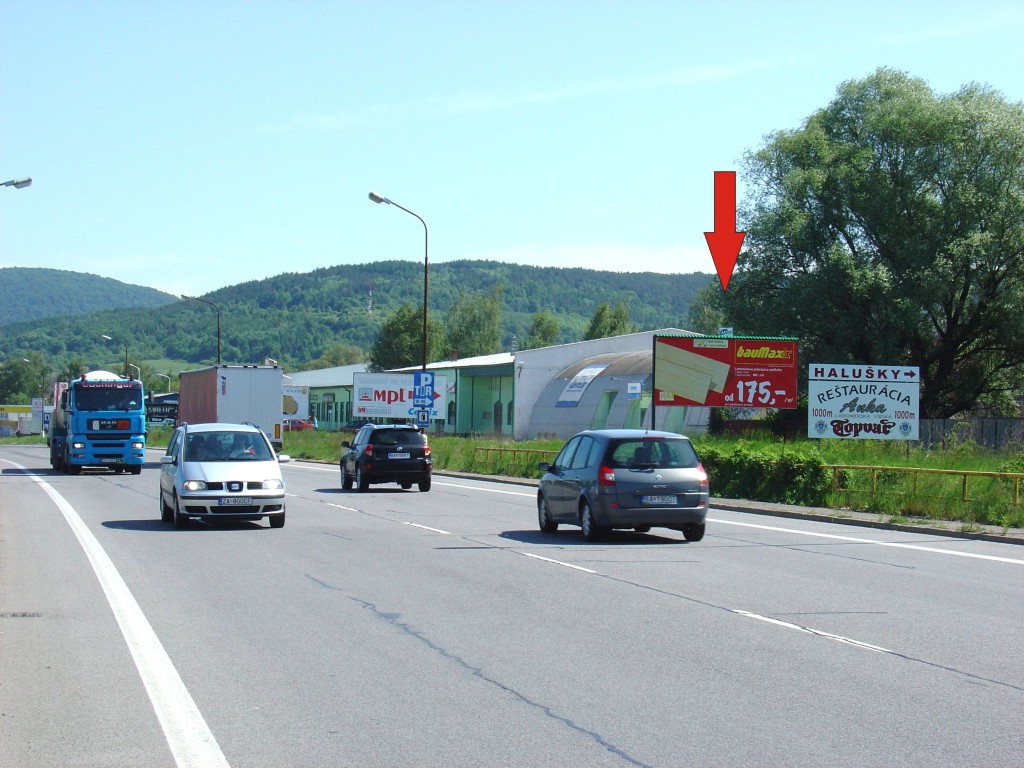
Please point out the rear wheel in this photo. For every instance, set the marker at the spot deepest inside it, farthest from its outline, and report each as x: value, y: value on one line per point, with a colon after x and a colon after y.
x: 362, y: 482
x: 544, y: 521
x: 591, y: 531
x: 693, y: 531
x: 424, y: 485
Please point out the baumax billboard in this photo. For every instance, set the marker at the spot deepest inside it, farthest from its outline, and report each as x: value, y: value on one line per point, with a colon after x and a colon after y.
x: 725, y: 371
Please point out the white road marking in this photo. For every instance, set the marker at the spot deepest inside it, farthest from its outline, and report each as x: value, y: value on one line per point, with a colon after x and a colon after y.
x: 858, y: 540
x: 339, y: 506
x: 189, y: 737
x: 557, y: 562
x: 427, y: 528
x: 809, y: 631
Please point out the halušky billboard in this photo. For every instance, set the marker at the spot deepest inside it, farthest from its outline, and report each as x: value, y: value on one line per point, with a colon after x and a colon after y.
x: 725, y: 371
x: 875, y: 402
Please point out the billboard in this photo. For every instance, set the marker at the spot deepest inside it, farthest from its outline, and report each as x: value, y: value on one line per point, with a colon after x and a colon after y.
x: 876, y: 402
x: 725, y: 371
x: 395, y: 396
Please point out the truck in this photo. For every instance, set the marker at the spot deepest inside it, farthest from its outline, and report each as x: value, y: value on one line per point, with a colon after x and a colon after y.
x: 237, y: 394
x: 98, y: 420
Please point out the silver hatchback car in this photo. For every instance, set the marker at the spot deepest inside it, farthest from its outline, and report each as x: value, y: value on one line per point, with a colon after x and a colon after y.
x: 624, y: 478
x: 222, y: 472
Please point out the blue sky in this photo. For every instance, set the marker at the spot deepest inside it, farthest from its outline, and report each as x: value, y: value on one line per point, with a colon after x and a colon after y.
x: 192, y: 145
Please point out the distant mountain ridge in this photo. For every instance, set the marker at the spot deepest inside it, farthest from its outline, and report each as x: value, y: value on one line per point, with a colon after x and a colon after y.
x: 31, y: 293
x: 295, y: 317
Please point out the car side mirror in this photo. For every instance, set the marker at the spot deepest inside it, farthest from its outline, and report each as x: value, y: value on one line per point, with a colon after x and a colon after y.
x: 545, y: 467
x: 283, y: 458
x: 167, y: 460
x: 346, y: 444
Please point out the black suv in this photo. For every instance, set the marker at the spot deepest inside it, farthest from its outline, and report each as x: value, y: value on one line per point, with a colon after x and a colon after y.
x: 386, y: 453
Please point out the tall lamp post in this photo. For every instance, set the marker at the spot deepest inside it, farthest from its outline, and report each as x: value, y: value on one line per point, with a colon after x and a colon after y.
x: 381, y: 199
x: 206, y: 301
x: 126, y: 363
x: 18, y: 183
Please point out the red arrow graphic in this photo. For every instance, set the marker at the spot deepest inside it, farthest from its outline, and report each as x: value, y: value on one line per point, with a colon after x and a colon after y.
x: 725, y: 242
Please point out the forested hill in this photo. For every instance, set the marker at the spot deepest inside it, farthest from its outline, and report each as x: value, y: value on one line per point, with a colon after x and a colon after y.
x: 30, y: 293
x: 295, y: 318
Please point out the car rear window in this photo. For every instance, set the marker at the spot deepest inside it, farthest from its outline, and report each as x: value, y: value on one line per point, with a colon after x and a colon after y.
x: 396, y: 437
x: 654, y: 452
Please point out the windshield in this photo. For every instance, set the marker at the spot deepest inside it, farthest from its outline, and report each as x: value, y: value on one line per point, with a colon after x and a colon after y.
x: 108, y: 398
x: 227, y: 446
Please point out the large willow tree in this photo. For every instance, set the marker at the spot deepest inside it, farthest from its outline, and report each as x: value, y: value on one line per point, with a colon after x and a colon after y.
x: 889, y: 229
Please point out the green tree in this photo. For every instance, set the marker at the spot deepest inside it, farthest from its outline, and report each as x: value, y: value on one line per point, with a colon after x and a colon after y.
x: 399, y: 343
x: 473, y: 324
x: 544, y: 330
x: 336, y: 355
x: 609, y: 321
x: 889, y: 229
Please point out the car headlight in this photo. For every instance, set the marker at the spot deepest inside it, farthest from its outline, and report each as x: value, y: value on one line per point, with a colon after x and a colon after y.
x: 137, y: 445
x: 77, y: 445
x: 273, y: 485
x: 194, y: 485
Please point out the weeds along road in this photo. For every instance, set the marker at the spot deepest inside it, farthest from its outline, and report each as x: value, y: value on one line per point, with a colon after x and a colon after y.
x: 443, y: 629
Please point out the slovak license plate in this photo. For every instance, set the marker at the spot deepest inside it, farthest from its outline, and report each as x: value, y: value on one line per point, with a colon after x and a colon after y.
x: 234, y: 501
x: 398, y: 456
x: 658, y: 500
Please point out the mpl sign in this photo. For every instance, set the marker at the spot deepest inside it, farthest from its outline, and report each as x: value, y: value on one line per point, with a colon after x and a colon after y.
x: 875, y: 402
x: 402, y: 396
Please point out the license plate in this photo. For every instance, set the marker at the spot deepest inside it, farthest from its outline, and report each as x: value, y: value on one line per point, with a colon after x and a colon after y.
x: 235, y: 501
x: 398, y: 456
x: 657, y: 499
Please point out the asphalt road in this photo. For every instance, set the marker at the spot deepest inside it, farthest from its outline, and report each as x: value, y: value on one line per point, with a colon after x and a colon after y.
x: 398, y: 628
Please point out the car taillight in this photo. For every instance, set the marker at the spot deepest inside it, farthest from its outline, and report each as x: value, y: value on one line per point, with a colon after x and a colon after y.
x: 703, y: 481
x: 368, y: 451
x: 605, y: 476
x: 426, y: 449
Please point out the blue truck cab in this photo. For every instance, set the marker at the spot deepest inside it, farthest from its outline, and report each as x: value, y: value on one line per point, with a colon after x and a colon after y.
x: 99, y: 420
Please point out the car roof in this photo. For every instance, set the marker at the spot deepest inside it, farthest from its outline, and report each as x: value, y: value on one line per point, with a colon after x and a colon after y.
x: 220, y: 427
x: 630, y: 434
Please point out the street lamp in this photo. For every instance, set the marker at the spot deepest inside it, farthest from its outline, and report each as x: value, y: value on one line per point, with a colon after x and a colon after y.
x: 206, y: 301
x: 381, y: 199
x: 18, y: 183
x: 126, y: 363
x: 165, y: 376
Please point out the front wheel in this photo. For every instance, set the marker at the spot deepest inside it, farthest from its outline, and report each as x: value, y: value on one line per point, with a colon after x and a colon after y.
x: 166, y: 513
x: 346, y: 480
x: 277, y: 521
x: 544, y: 521
x: 180, y: 520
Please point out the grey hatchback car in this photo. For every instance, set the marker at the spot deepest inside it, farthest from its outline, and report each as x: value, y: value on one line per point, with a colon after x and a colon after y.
x: 624, y: 478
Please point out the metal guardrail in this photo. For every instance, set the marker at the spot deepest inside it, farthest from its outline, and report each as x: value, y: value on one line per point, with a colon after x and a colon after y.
x: 529, y: 455
x: 917, y: 472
